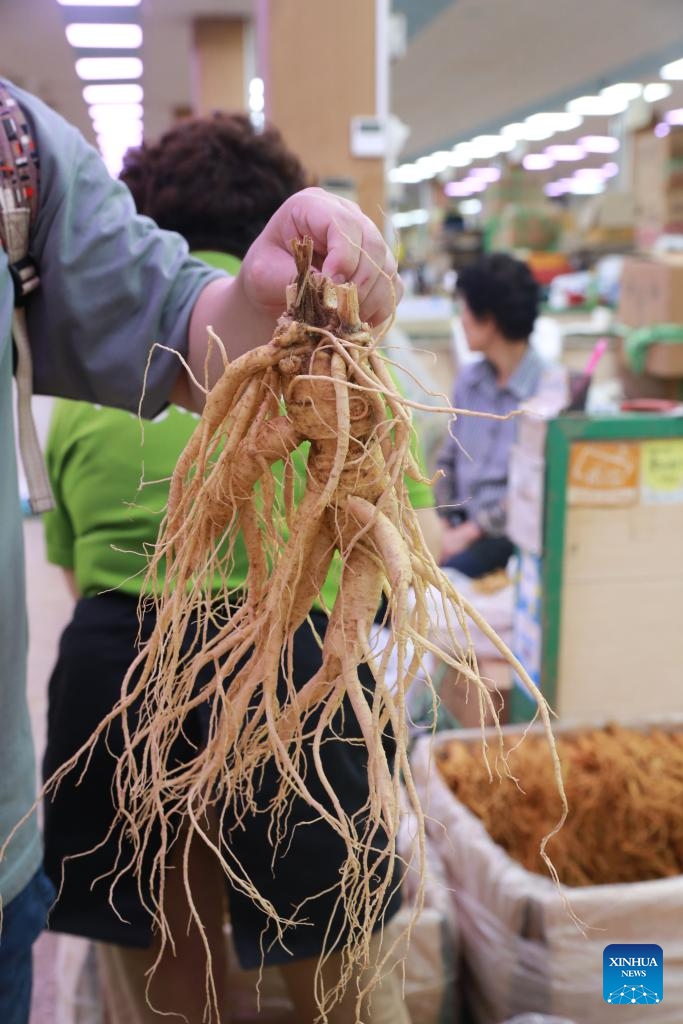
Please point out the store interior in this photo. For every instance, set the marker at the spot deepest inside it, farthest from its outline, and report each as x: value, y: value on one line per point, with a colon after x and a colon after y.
x: 468, y: 130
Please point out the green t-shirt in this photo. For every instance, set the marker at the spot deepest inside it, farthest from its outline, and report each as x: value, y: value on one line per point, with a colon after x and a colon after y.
x: 111, y: 490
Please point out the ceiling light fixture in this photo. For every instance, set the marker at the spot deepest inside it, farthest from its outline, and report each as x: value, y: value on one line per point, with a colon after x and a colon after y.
x: 558, y: 122
x: 108, y: 68
x: 598, y: 144
x: 489, y: 174
x: 96, y: 36
x: 656, y: 91
x: 566, y: 152
x: 537, y: 162
x: 623, y: 91
x: 129, y: 92
x: 598, y: 106
x: 516, y: 131
x: 459, y: 188
x: 673, y: 72
x: 115, y: 111
x: 99, y: 3
x: 405, y: 174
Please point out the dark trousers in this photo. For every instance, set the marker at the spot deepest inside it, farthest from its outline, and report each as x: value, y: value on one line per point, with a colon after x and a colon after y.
x: 484, y: 556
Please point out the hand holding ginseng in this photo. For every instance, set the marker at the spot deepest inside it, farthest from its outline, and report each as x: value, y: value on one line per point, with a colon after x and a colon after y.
x: 347, y: 247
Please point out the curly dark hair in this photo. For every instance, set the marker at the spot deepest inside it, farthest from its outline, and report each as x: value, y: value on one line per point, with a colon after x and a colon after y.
x: 214, y: 180
x: 503, y: 288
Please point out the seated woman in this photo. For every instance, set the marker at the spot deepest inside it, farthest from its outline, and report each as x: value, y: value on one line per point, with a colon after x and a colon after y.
x: 499, y: 301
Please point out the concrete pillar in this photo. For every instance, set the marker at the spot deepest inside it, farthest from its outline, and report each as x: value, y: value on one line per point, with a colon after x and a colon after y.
x: 219, y: 62
x: 319, y: 63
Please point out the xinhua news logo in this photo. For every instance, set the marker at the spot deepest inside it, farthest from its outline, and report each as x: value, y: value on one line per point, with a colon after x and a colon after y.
x: 633, y: 973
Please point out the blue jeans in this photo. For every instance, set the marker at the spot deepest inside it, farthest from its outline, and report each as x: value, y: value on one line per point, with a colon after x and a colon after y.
x: 23, y: 920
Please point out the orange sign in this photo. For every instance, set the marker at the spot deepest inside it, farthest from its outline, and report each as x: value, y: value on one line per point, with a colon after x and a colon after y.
x: 603, y: 473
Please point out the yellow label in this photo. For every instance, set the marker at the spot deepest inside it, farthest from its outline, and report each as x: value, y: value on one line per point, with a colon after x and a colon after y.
x: 662, y: 470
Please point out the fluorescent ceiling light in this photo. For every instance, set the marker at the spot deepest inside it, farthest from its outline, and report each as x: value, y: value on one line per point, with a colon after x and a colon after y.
x: 434, y: 163
x: 121, y: 131
x: 483, y: 147
x: 515, y: 131
x: 565, y: 152
x: 599, y: 144
x: 405, y: 174
x: 105, y: 125
x: 662, y: 130
x: 560, y: 122
x: 656, y: 91
x: 115, y: 111
x: 587, y: 187
x: 100, y: 68
x: 104, y: 37
x: 598, y: 106
x: 459, y: 188
x: 610, y: 169
x: 257, y: 100
x: 674, y: 116
x: 555, y: 188
x: 538, y: 132
x: 122, y: 93
x: 489, y: 174
x: 588, y: 173
x: 99, y: 3
x: 673, y: 71
x: 409, y: 218
x: 623, y: 91
x: 460, y: 156
x: 537, y: 162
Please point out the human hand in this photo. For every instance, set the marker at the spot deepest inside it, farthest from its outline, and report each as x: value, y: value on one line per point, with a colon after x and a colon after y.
x: 456, y: 539
x: 348, y: 247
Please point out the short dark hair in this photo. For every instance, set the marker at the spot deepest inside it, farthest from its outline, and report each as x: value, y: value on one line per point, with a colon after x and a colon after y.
x: 503, y: 288
x: 215, y: 180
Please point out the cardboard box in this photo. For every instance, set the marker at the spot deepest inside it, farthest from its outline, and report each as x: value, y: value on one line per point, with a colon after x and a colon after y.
x: 526, y: 495
x: 657, y: 184
x: 651, y: 291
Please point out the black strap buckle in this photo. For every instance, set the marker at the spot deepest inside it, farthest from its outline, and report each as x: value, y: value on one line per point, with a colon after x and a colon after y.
x: 25, y: 278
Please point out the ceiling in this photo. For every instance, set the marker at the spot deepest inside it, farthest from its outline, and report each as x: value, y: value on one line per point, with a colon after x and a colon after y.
x: 470, y: 65
x: 480, y: 64
x: 35, y: 54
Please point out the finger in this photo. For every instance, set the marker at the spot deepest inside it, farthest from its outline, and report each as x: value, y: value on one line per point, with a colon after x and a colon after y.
x: 380, y: 303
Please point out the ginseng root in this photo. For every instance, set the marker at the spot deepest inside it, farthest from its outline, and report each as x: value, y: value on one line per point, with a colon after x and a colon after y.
x: 320, y: 382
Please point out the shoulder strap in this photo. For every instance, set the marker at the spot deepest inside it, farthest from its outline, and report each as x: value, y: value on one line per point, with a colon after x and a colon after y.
x: 19, y: 183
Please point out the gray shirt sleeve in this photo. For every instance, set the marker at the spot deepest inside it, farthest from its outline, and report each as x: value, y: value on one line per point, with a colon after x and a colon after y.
x: 112, y: 283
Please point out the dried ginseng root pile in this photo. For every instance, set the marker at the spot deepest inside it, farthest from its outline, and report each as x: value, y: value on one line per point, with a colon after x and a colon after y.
x: 320, y: 381
x: 625, y: 793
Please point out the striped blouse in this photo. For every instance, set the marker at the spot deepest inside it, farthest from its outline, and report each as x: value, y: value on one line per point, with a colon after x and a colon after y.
x: 475, y: 454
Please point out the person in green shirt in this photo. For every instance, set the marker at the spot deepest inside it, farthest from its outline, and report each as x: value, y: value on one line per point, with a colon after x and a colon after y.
x: 216, y: 181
